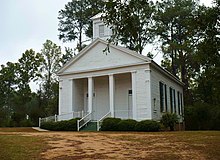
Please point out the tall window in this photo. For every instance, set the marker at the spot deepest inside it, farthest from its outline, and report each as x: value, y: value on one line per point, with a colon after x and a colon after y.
x: 165, y: 89
x: 163, y: 97
x: 172, y: 100
x: 174, y: 97
x: 101, y: 31
x: 180, y: 103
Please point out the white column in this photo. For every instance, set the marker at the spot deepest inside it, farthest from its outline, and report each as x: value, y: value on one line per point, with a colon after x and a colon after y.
x: 149, y: 96
x: 60, y: 96
x: 90, y: 93
x: 70, y: 102
x: 111, y: 94
x: 74, y: 96
x: 134, y: 94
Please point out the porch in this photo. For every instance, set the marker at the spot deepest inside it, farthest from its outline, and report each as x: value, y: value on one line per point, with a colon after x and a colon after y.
x: 102, y: 94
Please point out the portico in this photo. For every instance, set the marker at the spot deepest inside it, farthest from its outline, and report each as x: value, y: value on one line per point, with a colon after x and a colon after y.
x: 102, y: 94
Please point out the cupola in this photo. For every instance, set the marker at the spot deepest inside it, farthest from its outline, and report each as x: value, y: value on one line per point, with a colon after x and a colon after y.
x: 100, y: 30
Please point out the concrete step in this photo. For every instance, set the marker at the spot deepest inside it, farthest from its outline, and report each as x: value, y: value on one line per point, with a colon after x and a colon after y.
x: 91, y: 126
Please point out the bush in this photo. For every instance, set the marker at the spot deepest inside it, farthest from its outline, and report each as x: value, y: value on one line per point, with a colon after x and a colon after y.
x: 110, y: 124
x: 169, y: 120
x: 127, y: 125
x: 69, y: 125
x: 147, y: 126
x: 26, y: 123
x: 202, y: 116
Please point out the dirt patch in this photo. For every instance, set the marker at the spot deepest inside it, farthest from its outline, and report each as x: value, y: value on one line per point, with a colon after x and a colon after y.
x: 124, y: 146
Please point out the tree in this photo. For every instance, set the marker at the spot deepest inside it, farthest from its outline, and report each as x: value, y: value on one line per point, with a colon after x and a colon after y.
x: 207, y: 89
x: 67, y: 56
x: 131, y: 22
x: 14, y: 85
x: 53, y: 59
x: 74, y: 20
x: 28, y: 69
x: 8, y: 82
x: 175, y: 26
x: 51, y: 54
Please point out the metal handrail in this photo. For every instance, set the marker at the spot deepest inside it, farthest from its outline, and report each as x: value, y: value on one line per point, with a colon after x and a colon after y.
x: 84, y: 122
x: 99, y: 122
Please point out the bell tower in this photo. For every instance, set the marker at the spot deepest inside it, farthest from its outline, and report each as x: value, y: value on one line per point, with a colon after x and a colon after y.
x: 100, y: 30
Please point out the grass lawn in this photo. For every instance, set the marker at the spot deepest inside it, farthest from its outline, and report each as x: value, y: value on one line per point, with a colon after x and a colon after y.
x: 19, y: 147
x: 17, y: 129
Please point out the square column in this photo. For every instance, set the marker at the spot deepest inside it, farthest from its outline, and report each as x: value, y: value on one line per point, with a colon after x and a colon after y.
x: 90, y: 93
x: 111, y: 94
x: 134, y: 94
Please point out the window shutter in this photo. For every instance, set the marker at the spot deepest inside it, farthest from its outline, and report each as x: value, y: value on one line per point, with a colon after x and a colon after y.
x: 161, y: 97
x: 165, y: 89
x: 171, y: 101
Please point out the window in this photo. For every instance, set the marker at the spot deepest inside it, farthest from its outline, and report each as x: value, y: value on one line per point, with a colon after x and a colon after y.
x: 101, y: 31
x: 178, y: 101
x: 174, y: 97
x: 163, y: 97
x: 181, y: 103
x: 129, y: 92
x: 165, y: 87
x: 172, y: 100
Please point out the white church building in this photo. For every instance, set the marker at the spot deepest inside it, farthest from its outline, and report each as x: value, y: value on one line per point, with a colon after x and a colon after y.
x: 121, y: 83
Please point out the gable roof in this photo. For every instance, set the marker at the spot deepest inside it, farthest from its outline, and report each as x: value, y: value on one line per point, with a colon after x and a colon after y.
x: 94, y: 43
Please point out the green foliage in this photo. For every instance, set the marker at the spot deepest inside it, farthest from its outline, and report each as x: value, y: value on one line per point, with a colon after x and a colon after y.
x: 74, y: 20
x: 169, y: 120
x: 202, y: 116
x: 53, y: 59
x: 68, y: 125
x: 110, y: 124
x: 116, y: 124
x: 147, y: 126
x: 127, y: 125
x: 131, y: 22
x: 208, y: 88
x: 176, y: 30
x: 15, y: 90
x: 26, y: 123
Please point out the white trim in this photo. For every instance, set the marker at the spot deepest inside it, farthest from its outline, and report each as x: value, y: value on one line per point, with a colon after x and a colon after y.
x: 149, y: 92
x: 90, y: 94
x: 104, y: 68
x: 134, y: 95
x: 111, y: 94
x: 98, y: 40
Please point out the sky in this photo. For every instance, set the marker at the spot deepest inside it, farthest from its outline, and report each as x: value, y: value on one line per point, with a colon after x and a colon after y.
x: 26, y: 24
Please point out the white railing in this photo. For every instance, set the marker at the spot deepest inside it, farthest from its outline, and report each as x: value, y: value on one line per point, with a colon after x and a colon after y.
x: 123, y: 114
x: 48, y: 119
x: 65, y: 116
x: 83, y: 121
x: 99, y: 122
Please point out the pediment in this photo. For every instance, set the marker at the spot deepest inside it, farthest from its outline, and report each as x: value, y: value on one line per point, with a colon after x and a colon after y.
x: 94, y: 57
